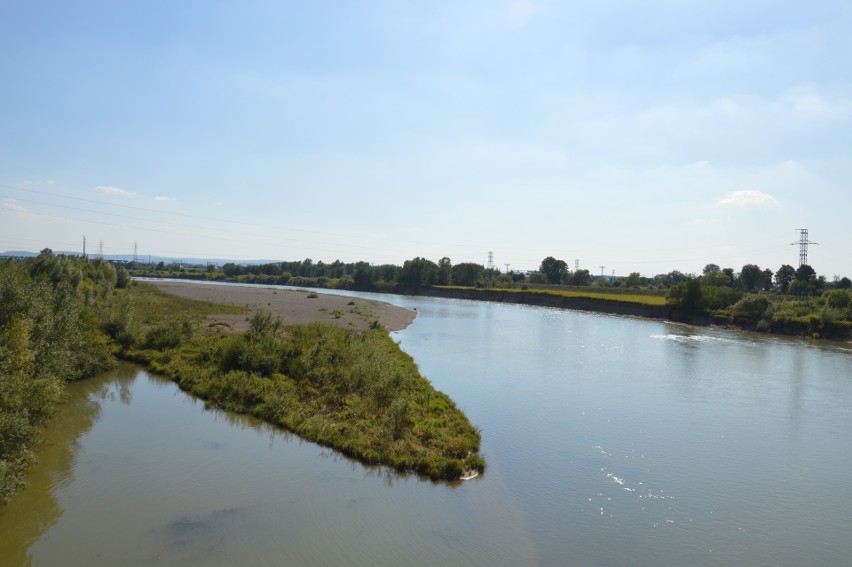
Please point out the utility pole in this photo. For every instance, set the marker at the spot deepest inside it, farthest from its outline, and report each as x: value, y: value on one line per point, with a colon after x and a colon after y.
x: 84, y: 246
x: 135, y: 251
x: 101, y: 249
x: 602, y: 269
x: 576, y: 264
x: 803, y: 246
x: 490, y: 260
x: 507, y: 268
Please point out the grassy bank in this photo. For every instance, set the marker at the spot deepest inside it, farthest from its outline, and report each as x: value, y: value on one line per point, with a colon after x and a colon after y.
x: 626, y: 296
x: 354, y: 391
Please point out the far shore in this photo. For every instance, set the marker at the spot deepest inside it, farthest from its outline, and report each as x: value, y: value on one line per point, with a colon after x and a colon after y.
x: 293, y: 306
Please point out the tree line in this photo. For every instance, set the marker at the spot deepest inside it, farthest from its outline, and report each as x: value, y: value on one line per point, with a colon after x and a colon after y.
x: 362, y: 276
x: 422, y: 272
x: 790, y: 300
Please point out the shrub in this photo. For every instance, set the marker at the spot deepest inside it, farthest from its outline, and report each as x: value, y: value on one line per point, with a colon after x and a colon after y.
x: 719, y: 297
x: 749, y: 310
x: 168, y: 335
x: 838, y: 298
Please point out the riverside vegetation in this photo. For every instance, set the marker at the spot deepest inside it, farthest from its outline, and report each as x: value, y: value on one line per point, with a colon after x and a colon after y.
x: 65, y: 318
x: 786, y: 301
x: 51, y: 313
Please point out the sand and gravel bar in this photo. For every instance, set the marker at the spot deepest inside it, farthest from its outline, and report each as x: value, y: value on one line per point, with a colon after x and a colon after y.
x: 293, y: 306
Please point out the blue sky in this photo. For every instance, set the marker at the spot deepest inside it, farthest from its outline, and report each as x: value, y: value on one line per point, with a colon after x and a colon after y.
x: 640, y: 136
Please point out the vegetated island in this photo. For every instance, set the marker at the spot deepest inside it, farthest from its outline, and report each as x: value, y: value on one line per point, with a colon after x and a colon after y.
x: 338, y: 380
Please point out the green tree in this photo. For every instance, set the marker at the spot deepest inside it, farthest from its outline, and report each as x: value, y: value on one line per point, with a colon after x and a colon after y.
x: 719, y: 297
x: 553, y: 269
x: 363, y: 276
x: 710, y: 268
x: 785, y: 274
x: 765, y: 282
x: 750, y: 276
x: 633, y: 280
x: 445, y: 267
x: 805, y: 273
x: 581, y: 277
x: 418, y: 272
x: 687, y: 296
x: 716, y: 278
x: 467, y: 273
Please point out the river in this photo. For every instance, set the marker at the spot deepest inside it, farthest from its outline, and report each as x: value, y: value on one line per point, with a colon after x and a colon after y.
x: 609, y: 441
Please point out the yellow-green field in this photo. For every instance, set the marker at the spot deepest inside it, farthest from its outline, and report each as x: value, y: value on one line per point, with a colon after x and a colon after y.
x: 626, y: 297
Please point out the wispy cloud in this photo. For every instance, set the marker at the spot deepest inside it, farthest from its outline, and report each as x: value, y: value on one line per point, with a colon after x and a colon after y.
x: 747, y: 198
x: 703, y: 164
x: 110, y: 190
x: 12, y: 205
x: 164, y: 198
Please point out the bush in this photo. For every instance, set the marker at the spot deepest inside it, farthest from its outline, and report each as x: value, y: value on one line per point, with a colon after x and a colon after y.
x: 838, y: 298
x: 168, y: 335
x: 749, y: 310
x: 717, y: 297
x: 122, y: 278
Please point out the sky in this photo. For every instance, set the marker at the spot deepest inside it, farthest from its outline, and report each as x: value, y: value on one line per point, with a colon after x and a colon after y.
x: 625, y: 136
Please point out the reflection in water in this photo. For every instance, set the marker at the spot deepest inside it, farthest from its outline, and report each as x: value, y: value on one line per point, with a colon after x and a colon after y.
x: 797, y: 377
x: 34, y: 510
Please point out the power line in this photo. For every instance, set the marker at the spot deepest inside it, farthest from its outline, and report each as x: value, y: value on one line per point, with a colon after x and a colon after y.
x: 222, y: 220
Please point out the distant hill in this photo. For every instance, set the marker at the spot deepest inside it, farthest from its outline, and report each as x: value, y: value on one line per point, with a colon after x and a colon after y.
x: 144, y: 259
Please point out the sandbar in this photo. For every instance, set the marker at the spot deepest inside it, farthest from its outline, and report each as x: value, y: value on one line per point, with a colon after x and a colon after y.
x: 293, y: 306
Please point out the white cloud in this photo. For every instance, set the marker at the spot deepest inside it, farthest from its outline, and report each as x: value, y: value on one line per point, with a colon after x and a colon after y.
x: 747, y: 198
x: 703, y: 164
x: 12, y: 205
x: 110, y: 190
x: 164, y: 198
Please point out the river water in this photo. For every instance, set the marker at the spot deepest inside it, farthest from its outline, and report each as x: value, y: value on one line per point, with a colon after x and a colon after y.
x: 609, y: 441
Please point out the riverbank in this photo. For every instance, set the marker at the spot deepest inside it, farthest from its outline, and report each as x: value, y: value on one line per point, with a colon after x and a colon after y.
x: 808, y: 317
x: 611, y: 305
x: 293, y: 307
